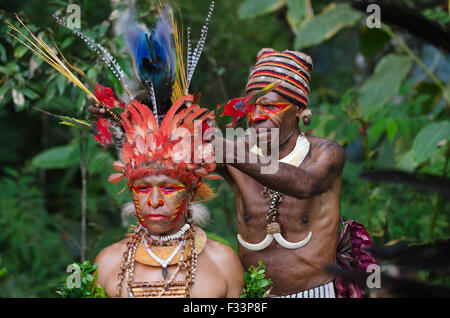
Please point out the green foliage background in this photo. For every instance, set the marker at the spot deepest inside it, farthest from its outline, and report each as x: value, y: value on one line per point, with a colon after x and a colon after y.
x: 370, y: 94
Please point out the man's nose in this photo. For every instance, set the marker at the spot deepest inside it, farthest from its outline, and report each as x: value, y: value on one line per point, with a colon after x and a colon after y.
x: 258, y: 111
x: 155, y: 199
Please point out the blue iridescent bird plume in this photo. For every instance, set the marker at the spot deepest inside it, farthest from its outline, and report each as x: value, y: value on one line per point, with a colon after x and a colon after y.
x: 154, y: 57
x: 158, y: 57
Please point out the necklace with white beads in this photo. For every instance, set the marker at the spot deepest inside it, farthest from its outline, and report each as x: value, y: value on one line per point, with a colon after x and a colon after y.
x: 165, y: 262
x: 171, y: 237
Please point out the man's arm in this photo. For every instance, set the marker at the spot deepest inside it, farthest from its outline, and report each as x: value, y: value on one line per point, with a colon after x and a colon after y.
x: 233, y: 272
x: 327, y: 162
x: 229, y: 267
x: 108, y: 261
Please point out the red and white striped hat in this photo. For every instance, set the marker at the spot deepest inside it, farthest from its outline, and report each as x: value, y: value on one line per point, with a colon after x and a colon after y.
x: 291, y: 66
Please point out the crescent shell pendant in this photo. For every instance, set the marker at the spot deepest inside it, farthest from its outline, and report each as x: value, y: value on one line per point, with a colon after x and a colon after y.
x: 258, y: 246
x: 269, y: 238
x: 292, y: 246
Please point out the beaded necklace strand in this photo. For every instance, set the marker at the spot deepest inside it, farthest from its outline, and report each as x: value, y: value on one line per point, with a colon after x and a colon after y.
x: 189, y: 265
x: 164, y: 262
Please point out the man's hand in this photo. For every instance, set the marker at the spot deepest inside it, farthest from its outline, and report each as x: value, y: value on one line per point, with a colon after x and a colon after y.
x: 97, y: 111
x: 236, y: 150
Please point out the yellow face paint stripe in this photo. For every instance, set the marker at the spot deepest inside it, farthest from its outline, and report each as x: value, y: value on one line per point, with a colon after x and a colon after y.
x: 138, y: 211
x: 171, y: 194
x: 277, y: 113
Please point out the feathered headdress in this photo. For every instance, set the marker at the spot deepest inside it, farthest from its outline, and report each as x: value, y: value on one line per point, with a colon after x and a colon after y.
x: 149, y: 145
x: 158, y: 58
x: 154, y: 58
x: 165, y: 147
x: 168, y: 148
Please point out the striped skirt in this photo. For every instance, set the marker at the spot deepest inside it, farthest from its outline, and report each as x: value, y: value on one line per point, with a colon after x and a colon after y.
x: 322, y: 291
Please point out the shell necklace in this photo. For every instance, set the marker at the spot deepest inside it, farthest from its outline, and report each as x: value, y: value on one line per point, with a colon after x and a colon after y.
x: 164, y: 262
x: 171, y: 237
x: 295, y: 158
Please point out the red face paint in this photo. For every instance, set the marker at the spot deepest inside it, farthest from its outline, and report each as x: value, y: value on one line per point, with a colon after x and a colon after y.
x: 258, y: 118
x: 275, y: 108
x: 141, y: 189
x: 138, y: 212
x: 272, y: 108
x: 159, y: 203
x: 168, y: 193
x: 179, y: 211
x: 169, y: 189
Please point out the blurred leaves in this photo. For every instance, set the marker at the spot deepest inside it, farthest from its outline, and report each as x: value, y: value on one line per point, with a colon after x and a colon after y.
x: 309, y: 29
x: 365, y: 95
x: 28, y: 238
x: 254, y: 8
x: 372, y: 41
x: 58, y: 157
x: 438, y: 14
x: 429, y: 139
x: 325, y: 25
x: 299, y: 13
x: 3, y: 270
x: 384, y: 83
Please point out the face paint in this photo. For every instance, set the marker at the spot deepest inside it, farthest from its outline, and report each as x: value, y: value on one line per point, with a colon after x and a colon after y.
x: 179, y: 210
x: 272, y: 108
x: 275, y: 108
x: 180, y: 205
x: 141, y: 189
x: 256, y: 119
x: 169, y: 190
x: 138, y: 212
x: 160, y: 203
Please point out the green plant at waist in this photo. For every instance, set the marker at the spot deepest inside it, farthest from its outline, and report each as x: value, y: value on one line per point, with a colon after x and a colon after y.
x: 256, y: 283
x: 82, y: 282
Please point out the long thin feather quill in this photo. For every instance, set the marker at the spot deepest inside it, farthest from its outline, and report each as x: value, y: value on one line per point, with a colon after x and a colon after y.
x: 45, y: 52
x: 105, y: 55
x: 42, y: 50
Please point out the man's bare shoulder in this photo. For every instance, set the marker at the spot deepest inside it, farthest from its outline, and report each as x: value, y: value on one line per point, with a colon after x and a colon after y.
x: 222, y: 255
x: 111, y: 255
x: 329, y: 148
x: 324, y: 144
x: 109, y: 260
x: 218, y: 250
x: 228, y: 263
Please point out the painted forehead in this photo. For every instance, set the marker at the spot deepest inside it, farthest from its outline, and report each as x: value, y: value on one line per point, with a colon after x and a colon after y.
x: 157, y: 179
